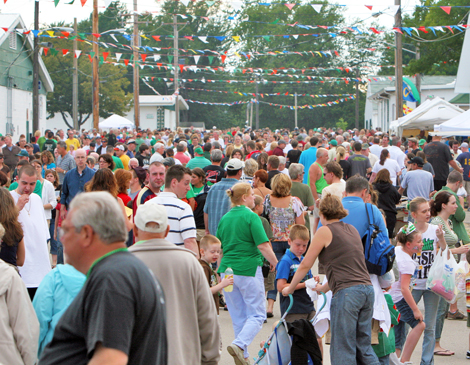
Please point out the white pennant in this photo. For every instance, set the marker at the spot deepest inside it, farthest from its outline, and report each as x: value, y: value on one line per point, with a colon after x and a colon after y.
x: 40, y: 51
x: 78, y: 53
x: 185, y: 2
x: 107, y: 2
x: 236, y: 5
x: 113, y: 37
x: 156, y: 57
x: 295, y: 36
x: 142, y: 66
x: 317, y: 7
x: 118, y: 56
x: 196, y: 59
x: 203, y: 39
x: 394, y: 9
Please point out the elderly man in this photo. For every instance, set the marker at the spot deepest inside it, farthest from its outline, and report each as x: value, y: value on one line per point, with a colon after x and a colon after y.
x: 36, y: 233
x: 119, y: 315
x: 10, y: 153
x: 74, y: 181
x: 195, y: 317
x: 159, y: 149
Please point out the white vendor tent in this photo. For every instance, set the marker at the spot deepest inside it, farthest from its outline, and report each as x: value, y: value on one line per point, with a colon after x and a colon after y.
x: 428, y: 114
x: 115, y: 121
x: 457, y: 126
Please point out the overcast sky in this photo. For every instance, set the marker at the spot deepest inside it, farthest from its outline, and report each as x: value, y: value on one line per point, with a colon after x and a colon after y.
x: 63, y: 12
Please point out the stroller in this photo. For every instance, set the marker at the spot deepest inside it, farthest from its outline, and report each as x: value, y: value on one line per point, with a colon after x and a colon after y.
x: 277, y: 348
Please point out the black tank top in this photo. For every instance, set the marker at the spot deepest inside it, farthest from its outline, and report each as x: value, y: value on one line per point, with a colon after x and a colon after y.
x: 8, y: 253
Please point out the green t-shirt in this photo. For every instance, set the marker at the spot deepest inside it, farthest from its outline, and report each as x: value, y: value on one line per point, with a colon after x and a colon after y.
x: 37, y: 189
x: 41, y: 141
x: 49, y: 145
x: 304, y: 193
x: 198, y: 161
x: 241, y: 231
x: 117, y: 163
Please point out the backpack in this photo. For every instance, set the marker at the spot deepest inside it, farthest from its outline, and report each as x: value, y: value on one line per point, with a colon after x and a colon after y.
x: 378, y: 251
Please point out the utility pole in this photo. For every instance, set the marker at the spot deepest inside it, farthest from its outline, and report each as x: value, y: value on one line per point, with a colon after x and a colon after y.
x: 418, y: 75
x: 36, y: 70
x: 251, y: 115
x: 398, y: 64
x: 257, y: 102
x: 357, y: 98
x: 136, y: 68
x: 96, y: 81
x: 176, y: 69
x: 295, y: 108
x: 75, y: 80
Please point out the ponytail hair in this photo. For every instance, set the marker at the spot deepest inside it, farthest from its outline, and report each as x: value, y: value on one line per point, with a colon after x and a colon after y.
x: 407, y: 234
x: 340, y: 153
x: 383, y: 156
x: 442, y: 197
x: 236, y: 192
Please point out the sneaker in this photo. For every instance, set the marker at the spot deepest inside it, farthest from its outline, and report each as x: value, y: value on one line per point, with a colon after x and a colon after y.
x: 238, y: 355
x: 468, y: 354
x: 458, y: 315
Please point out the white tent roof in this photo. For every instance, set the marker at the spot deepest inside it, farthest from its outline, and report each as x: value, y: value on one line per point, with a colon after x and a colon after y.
x: 115, y: 121
x: 457, y: 126
x: 431, y: 112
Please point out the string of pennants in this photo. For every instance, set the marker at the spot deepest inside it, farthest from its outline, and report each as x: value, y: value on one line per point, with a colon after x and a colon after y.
x: 280, y: 106
x: 263, y: 94
x: 204, y: 80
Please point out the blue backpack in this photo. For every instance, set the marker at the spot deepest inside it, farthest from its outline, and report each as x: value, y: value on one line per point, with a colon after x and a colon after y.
x: 378, y: 251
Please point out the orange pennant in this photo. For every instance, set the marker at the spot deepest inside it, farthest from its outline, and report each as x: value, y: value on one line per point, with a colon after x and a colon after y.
x: 446, y: 9
x: 65, y: 51
x: 97, y: 35
x: 83, y: 2
x: 126, y: 62
x: 181, y: 68
x: 223, y: 57
x: 105, y: 55
x: 144, y: 56
x: 368, y: 7
x: 66, y: 34
x: 46, y: 50
x: 156, y: 37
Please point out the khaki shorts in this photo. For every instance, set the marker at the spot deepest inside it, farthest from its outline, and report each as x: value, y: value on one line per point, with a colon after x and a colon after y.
x: 199, y: 234
x: 269, y: 281
x: 316, y: 211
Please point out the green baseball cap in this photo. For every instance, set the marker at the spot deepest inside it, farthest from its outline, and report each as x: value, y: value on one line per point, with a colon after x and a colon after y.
x: 421, y: 142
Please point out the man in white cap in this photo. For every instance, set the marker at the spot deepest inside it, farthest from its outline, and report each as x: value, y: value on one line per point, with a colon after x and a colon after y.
x: 195, y: 317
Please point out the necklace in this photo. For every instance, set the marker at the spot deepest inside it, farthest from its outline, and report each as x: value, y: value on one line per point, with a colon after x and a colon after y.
x: 27, y: 210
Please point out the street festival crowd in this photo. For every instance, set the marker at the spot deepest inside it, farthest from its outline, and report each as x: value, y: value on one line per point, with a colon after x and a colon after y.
x: 122, y: 246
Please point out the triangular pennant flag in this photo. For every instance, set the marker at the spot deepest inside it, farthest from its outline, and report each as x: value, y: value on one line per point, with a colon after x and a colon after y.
x: 157, y: 38
x: 223, y: 57
x: 220, y: 38
x: 211, y: 58
x: 317, y: 7
x: 394, y: 9
x: 185, y: 2
x: 236, y: 5
x: 446, y: 9
x: 170, y: 59
x: 210, y: 3
x: 290, y: 6
x: 46, y: 50
x: 35, y: 32
x: 65, y: 52
x: 203, y: 39
x: 118, y: 56
x: 236, y: 37
x: 50, y: 33
x: 181, y: 68
x: 107, y: 3
x: 126, y: 62
x: 105, y: 55
x: 266, y: 37
x: 54, y: 52
x: 144, y: 56
x: 295, y: 36
x: 91, y: 58
x: 92, y: 54
x: 83, y: 2
x: 77, y: 53
x: 101, y: 60
x: 196, y: 59
x: 56, y: 2
x: 97, y: 35
x: 66, y: 34
x: 156, y: 57
x: 368, y: 7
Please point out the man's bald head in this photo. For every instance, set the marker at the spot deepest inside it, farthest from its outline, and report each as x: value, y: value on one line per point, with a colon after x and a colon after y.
x: 80, y: 159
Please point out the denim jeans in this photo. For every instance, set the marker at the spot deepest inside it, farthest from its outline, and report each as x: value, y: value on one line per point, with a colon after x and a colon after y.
x: 431, y: 301
x: 56, y: 245
x: 246, y: 306
x: 442, y: 309
x: 351, y: 317
x: 384, y: 360
x: 279, y: 248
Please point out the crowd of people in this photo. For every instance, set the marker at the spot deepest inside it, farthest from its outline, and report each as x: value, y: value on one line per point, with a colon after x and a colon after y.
x: 122, y: 246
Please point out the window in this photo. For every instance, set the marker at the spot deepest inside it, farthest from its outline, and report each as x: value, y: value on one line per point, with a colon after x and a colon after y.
x: 12, y: 40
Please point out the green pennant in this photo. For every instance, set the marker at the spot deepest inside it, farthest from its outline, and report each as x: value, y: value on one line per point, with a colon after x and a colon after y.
x: 72, y: 37
x: 170, y: 59
x: 211, y: 58
x: 82, y: 35
x: 70, y: 3
x: 276, y: 21
x: 56, y: 2
x: 92, y: 54
x: 210, y: 3
x: 268, y: 38
x: 101, y: 60
x: 170, y: 66
x: 159, y: 78
x: 54, y: 52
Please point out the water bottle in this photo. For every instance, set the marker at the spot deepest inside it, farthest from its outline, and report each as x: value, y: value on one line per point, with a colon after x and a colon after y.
x: 228, y: 273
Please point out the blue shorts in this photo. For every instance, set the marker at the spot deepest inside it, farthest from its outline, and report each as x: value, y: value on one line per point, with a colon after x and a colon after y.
x: 406, y: 314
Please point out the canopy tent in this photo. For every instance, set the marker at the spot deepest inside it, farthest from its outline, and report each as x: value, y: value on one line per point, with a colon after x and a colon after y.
x: 115, y: 121
x: 457, y: 126
x: 424, y: 117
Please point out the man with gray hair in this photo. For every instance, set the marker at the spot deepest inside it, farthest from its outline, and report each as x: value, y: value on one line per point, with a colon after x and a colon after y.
x: 119, y: 315
x: 301, y: 190
x: 195, y: 317
x: 159, y: 149
x: 180, y: 153
x: 64, y: 162
x: 214, y: 172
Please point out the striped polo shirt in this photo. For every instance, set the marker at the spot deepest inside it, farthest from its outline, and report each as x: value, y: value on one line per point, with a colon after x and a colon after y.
x: 180, y: 217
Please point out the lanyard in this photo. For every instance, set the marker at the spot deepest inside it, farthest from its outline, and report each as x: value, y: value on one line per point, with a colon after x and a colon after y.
x: 103, y: 257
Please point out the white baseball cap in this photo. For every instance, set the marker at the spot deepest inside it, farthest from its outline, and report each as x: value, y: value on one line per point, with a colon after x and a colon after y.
x: 151, y: 213
x: 234, y: 164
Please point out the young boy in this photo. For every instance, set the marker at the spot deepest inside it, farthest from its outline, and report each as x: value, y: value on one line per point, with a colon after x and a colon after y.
x: 303, y: 306
x: 210, y: 251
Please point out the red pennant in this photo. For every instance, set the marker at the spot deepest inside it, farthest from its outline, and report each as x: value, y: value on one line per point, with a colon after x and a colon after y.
x: 157, y: 38
x: 159, y: 64
x: 83, y: 2
x: 66, y: 34
x: 368, y: 7
x: 126, y: 62
x: 374, y: 30
x: 27, y: 32
x: 423, y: 29
x: 446, y: 9
x: 450, y: 28
x: 152, y: 78
x: 181, y: 68
x: 189, y: 37
x: 97, y: 35
x: 91, y: 58
x: 46, y: 50
x: 223, y: 57
x: 5, y: 29
x: 144, y: 56
x: 105, y: 55
x: 398, y: 30
x: 290, y: 6
x: 65, y: 51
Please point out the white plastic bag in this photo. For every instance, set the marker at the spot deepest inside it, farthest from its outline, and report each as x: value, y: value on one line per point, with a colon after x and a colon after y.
x: 460, y: 273
x: 310, y: 284
x: 441, y: 277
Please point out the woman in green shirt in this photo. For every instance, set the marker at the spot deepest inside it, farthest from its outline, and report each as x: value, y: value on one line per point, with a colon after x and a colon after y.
x: 244, y: 243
